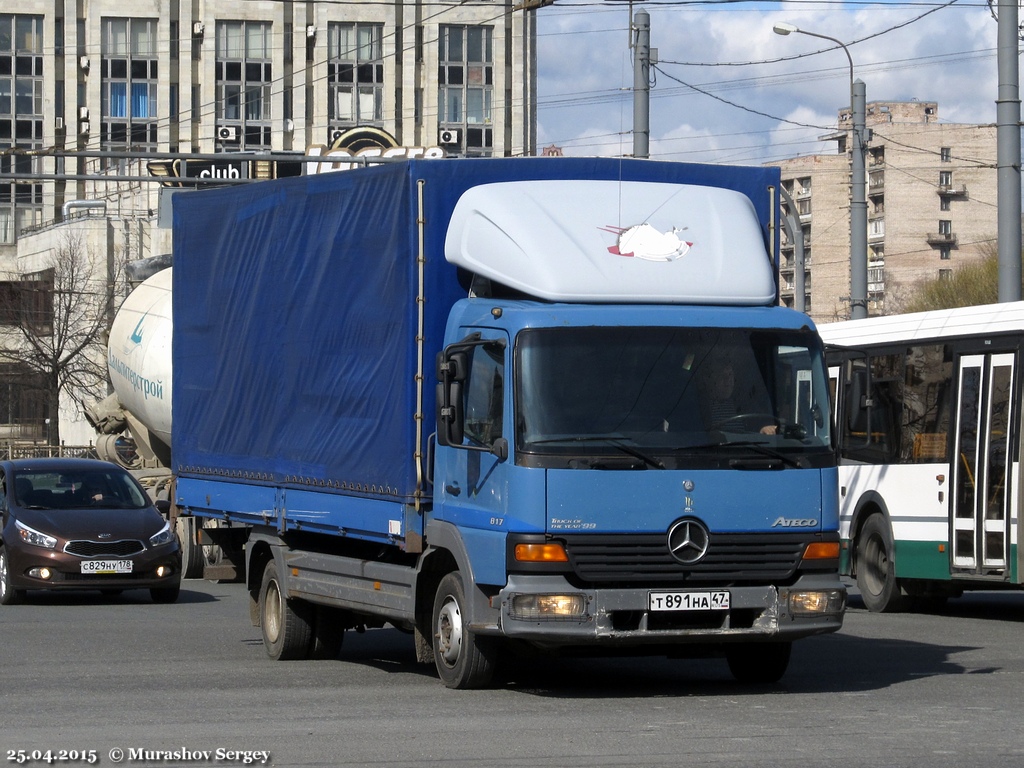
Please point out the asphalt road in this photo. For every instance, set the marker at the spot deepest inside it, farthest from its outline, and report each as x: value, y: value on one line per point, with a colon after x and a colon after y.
x: 122, y: 677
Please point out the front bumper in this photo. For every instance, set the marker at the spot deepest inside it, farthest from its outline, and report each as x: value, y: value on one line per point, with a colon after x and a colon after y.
x: 621, y: 617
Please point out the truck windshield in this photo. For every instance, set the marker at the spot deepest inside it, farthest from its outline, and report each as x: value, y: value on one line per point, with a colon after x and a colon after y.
x: 603, y: 397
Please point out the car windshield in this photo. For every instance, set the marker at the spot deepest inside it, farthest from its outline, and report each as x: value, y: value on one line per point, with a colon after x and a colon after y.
x: 74, y: 489
x: 671, y: 397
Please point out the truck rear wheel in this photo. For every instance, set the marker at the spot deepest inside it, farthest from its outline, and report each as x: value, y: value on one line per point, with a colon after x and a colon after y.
x: 463, y: 658
x: 287, y: 624
x: 191, y: 550
x: 876, y: 567
x: 328, y: 633
x: 758, y: 663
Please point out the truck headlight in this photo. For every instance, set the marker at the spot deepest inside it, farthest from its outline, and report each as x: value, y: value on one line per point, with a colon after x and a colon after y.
x: 817, y: 601
x: 547, y: 607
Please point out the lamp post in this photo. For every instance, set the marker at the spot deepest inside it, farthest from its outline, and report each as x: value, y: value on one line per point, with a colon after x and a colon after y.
x: 858, y: 180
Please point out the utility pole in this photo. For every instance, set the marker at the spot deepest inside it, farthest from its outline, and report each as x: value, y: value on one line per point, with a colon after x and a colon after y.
x: 642, y: 84
x: 858, y: 208
x: 1008, y: 154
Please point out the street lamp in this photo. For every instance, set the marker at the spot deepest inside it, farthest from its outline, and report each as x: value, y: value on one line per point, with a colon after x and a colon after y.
x: 858, y: 179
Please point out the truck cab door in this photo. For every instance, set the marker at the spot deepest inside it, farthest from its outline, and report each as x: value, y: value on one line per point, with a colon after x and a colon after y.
x: 471, y: 476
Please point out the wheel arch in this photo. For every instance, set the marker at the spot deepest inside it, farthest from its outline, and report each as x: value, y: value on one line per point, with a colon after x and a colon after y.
x: 447, y: 552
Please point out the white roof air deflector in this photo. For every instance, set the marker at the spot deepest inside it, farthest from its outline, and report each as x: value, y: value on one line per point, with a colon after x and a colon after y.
x: 609, y: 241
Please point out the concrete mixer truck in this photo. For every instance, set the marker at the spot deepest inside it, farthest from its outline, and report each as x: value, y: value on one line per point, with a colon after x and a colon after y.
x: 544, y: 403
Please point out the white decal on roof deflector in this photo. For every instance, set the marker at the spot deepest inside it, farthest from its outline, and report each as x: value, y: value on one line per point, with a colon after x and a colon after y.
x: 642, y: 241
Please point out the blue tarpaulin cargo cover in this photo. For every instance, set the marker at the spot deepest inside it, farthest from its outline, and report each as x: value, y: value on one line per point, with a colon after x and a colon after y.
x: 295, y: 351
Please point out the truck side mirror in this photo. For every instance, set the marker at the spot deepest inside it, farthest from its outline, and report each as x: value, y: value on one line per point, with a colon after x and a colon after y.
x: 450, y: 418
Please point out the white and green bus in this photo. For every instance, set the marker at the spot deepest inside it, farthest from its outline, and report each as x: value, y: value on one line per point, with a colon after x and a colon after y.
x: 928, y: 419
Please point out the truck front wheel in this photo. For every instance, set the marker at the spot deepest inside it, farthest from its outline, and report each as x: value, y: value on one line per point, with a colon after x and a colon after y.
x: 287, y: 624
x: 463, y: 658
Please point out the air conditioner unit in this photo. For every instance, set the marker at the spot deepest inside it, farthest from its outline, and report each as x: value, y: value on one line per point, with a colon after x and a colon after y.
x: 83, y: 62
x: 58, y: 123
x: 448, y: 136
x: 83, y: 127
x: 227, y: 133
x: 83, y: 113
x: 335, y: 134
x: 198, y: 28
x: 311, y: 30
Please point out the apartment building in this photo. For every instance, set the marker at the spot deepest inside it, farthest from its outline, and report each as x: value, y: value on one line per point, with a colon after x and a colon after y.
x: 83, y: 82
x: 931, y: 207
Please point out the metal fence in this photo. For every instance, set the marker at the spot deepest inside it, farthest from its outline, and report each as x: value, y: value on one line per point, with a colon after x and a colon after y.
x: 30, y: 451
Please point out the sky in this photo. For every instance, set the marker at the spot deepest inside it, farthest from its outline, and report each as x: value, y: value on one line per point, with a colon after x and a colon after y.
x: 727, y: 89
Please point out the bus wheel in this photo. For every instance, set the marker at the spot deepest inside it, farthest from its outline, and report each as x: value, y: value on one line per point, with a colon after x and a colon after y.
x: 876, y: 567
x: 287, y: 624
x: 463, y: 658
x: 758, y: 663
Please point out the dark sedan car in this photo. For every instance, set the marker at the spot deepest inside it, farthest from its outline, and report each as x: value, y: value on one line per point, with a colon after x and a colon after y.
x: 82, y: 524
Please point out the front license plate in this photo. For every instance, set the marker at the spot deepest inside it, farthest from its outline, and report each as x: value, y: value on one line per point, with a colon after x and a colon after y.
x: 689, y: 601
x: 106, y: 566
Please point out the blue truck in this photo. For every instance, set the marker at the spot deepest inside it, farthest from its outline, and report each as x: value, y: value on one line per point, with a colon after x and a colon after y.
x: 545, y: 403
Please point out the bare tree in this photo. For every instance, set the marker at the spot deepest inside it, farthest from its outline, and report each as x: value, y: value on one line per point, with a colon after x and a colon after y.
x: 969, y: 285
x: 57, y: 320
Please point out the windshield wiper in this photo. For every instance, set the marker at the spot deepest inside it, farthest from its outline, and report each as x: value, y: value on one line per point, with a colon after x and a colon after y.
x: 615, y: 440
x: 756, y: 446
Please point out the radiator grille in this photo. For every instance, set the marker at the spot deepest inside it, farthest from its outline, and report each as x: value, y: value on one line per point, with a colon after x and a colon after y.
x: 645, y: 558
x: 123, y: 548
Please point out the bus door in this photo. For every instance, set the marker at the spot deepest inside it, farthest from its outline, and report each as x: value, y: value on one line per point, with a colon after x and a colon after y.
x: 980, y: 522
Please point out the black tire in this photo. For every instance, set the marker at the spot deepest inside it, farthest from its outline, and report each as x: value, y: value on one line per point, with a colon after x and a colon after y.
x: 192, y: 559
x: 463, y: 658
x: 328, y: 633
x: 165, y: 595
x: 876, y: 568
x: 287, y: 624
x: 758, y: 663
x: 8, y: 594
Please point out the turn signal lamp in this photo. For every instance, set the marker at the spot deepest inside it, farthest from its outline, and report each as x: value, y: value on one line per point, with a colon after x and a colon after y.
x: 547, y: 607
x: 822, y: 550
x: 541, y: 553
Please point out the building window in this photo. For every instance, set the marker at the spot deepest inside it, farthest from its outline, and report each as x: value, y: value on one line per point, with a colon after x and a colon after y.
x: 355, y: 75
x: 946, y: 154
x: 465, y: 85
x: 945, y: 274
x: 21, y: 121
x: 944, y: 253
x: 945, y: 179
x: 805, y: 185
x: 128, y: 72
x: 244, y: 78
x: 803, y: 206
x: 945, y: 227
x: 944, y: 204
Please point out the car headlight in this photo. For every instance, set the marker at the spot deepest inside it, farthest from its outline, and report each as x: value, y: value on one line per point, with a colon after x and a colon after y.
x: 34, y: 537
x: 164, y: 536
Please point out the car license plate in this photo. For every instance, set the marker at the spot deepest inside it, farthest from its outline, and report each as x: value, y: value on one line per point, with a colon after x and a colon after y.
x: 106, y: 566
x: 689, y: 601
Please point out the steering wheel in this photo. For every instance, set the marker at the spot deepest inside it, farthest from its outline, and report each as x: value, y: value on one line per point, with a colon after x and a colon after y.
x: 746, y: 422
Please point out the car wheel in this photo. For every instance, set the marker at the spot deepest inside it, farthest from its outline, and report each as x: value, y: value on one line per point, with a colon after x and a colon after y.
x: 165, y: 594
x: 287, y: 624
x: 463, y: 658
x: 8, y: 594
